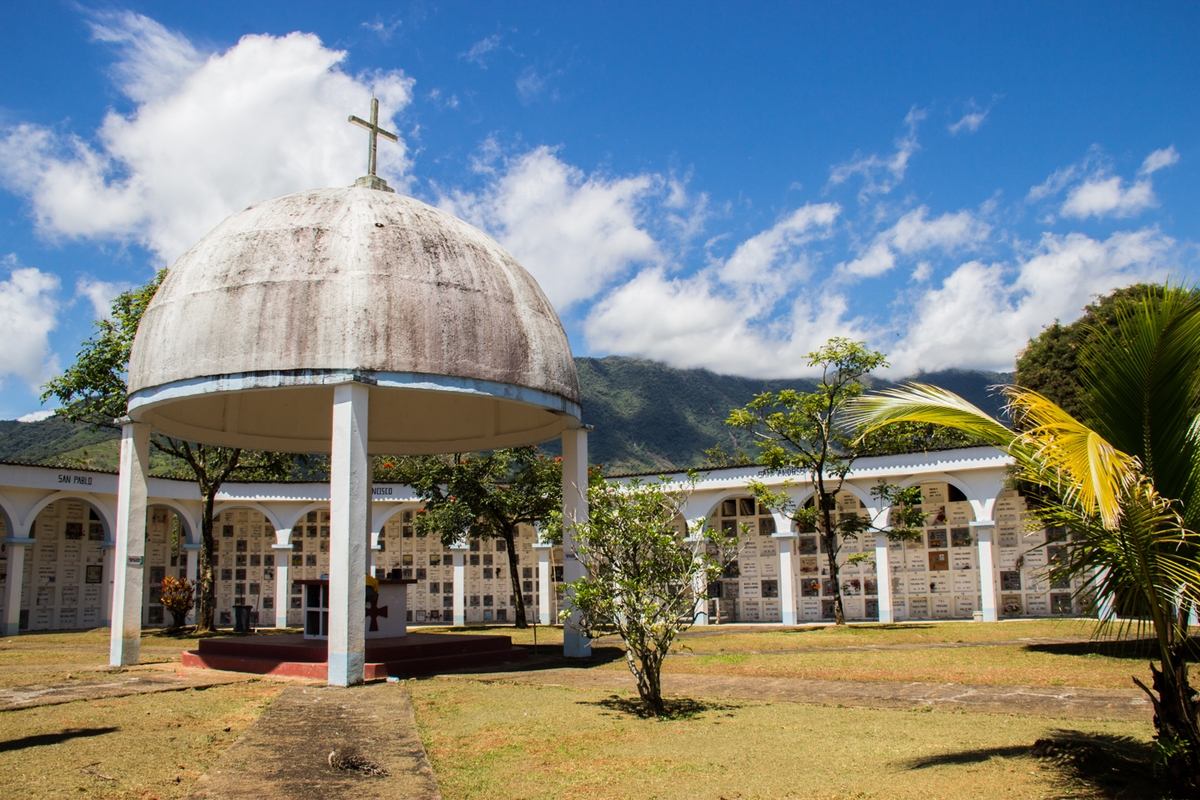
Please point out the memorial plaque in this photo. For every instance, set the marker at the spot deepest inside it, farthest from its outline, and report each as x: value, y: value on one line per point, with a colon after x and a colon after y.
x: 941, y: 608
x: 899, y: 608
x: 810, y: 587
x: 964, y: 606
x: 960, y: 537
x: 962, y: 560
x: 1008, y: 557
x: 810, y: 610
x: 852, y: 587
x: 73, y: 531
x: 771, y: 611
x: 917, y: 584
x: 808, y: 566
x: 918, y: 608
x: 1037, y: 605
x: 939, y: 561
x: 1011, y: 605
x: 937, y: 537
x: 940, y: 585
x: 965, y: 582
x: 1060, y: 603
x: 1010, y: 581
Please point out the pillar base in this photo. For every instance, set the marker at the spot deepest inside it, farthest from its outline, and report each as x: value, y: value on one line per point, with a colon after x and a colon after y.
x: 346, y: 669
x: 11, y: 629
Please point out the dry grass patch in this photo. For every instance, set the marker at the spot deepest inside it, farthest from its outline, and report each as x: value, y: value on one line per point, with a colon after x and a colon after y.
x: 54, y: 656
x: 142, y: 746
x: 499, y: 741
x: 1010, y: 666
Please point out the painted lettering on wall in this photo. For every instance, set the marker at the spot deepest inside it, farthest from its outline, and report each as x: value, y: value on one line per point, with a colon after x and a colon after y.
x: 385, y: 490
x: 78, y: 480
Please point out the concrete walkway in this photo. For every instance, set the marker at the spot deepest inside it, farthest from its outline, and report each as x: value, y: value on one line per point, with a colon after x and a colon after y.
x: 1115, y: 704
x: 285, y: 754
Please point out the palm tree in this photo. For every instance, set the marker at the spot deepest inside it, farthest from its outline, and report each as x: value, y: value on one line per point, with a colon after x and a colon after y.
x: 1127, y: 489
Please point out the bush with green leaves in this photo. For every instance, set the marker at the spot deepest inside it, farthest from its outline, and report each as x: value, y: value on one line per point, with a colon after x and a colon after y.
x: 645, y: 573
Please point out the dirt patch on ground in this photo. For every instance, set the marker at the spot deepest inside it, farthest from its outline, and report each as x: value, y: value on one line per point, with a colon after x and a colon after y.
x: 295, y: 747
x: 101, y: 684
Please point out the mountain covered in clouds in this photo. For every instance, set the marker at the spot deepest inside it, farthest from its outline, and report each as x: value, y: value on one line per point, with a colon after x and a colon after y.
x: 647, y: 416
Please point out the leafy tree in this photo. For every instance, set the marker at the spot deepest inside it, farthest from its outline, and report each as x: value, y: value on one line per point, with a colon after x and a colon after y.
x: 805, y: 432
x: 642, y: 575
x: 93, y: 391
x: 1127, y: 487
x: 1049, y: 364
x: 486, y: 496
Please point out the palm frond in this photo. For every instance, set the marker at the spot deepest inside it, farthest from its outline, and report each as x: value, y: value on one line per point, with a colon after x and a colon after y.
x: 1069, y: 457
x: 917, y: 402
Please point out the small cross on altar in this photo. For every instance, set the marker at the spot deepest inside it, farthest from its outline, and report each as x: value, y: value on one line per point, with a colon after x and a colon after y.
x: 371, y: 180
x: 375, y: 612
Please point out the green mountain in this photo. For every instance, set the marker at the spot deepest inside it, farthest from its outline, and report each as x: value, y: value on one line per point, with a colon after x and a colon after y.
x: 647, y: 416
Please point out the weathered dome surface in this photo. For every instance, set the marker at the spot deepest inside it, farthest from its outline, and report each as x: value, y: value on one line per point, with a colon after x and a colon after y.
x: 252, y: 327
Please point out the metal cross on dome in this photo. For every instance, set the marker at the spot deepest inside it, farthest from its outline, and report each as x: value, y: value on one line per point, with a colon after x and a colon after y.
x: 375, y: 131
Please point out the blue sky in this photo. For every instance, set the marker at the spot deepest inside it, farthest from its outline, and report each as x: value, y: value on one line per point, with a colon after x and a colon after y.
x: 711, y: 185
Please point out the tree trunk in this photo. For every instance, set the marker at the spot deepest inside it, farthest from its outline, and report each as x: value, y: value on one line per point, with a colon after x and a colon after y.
x: 649, y: 680
x: 207, y: 600
x: 513, y: 566
x: 831, y: 552
x: 1176, y: 709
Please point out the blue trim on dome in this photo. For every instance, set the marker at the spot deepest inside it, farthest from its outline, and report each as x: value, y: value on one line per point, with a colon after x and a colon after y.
x: 247, y: 381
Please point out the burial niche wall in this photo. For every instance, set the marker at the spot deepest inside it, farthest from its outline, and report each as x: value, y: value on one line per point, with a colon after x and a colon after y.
x: 748, y: 590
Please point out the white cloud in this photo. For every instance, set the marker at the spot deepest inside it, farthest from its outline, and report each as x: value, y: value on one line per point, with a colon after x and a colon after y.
x: 1108, y: 196
x: 383, y: 30
x: 35, y: 416
x: 876, y: 261
x: 969, y: 122
x: 696, y: 322
x: 983, y: 314
x: 1159, y: 159
x: 209, y: 137
x: 770, y: 257
x: 100, y: 294
x: 881, y: 174
x: 1094, y: 192
x: 530, y: 85
x: 575, y: 233
x: 914, y: 233
x: 28, y: 313
x: 478, y: 52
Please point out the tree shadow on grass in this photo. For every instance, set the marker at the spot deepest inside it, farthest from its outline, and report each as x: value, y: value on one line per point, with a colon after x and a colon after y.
x: 1089, y: 764
x: 43, y: 739
x: 1133, y: 649
x: 676, y: 707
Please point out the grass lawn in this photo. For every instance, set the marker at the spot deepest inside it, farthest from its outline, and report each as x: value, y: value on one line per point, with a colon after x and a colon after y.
x: 151, y: 746
x: 900, y: 652
x: 497, y: 741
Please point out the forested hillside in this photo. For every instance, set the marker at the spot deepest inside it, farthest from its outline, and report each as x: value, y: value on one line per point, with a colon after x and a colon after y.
x: 647, y: 416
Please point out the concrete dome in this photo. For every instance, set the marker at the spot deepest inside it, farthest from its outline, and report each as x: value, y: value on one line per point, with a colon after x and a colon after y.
x: 253, y: 327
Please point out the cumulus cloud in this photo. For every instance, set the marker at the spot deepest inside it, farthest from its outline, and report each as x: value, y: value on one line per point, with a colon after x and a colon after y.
x: 881, y: 174
x: 100, y: 294
x: 35, y: 416
x: 28, y: 313
x: 772, y: 257
x: 914, y: 233
x: 210, y: 135
x: 1108, y: 196
x: 1092, y: 191
x: 574, y: 232
x: 698, y: 322
x: 983, y: 314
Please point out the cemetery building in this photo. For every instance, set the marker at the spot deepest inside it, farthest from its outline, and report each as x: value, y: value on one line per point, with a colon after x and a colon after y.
x: 57, y: 551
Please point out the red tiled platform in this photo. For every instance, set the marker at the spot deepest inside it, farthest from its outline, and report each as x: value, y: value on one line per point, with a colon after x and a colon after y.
x: 293, y: 655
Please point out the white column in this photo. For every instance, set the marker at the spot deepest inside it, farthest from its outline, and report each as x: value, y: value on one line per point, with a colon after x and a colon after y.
x: 109, y: 584
x: 129, y: 561
x: 283, y: 575
x: 575, y: 511
x: 16, y: 544
x: 191, y: 552
x: 983, y: 532
x: 787, y: 574
x: 545, y: 579
x: 883, y: 578
x: 460, y: 551
x: 349, y: 533
x: 699, y: 583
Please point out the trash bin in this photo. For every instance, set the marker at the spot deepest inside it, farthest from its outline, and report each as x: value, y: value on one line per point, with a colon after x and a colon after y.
x: 241, y: 619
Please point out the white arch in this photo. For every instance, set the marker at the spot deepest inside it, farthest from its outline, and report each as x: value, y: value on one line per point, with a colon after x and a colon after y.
x: 391, y: 510
x: 231, y: 505
x: 191, y: 525
x: 6, y: 512
x: 107, y: 514
x: 292, y: 517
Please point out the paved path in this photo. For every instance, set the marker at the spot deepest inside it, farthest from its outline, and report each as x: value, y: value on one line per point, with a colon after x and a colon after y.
x: 284, y: 755
x: 135, y: 680
x: 1122, y: 704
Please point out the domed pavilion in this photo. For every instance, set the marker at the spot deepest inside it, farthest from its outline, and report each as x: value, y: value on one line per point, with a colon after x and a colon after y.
x: 353, y: 322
